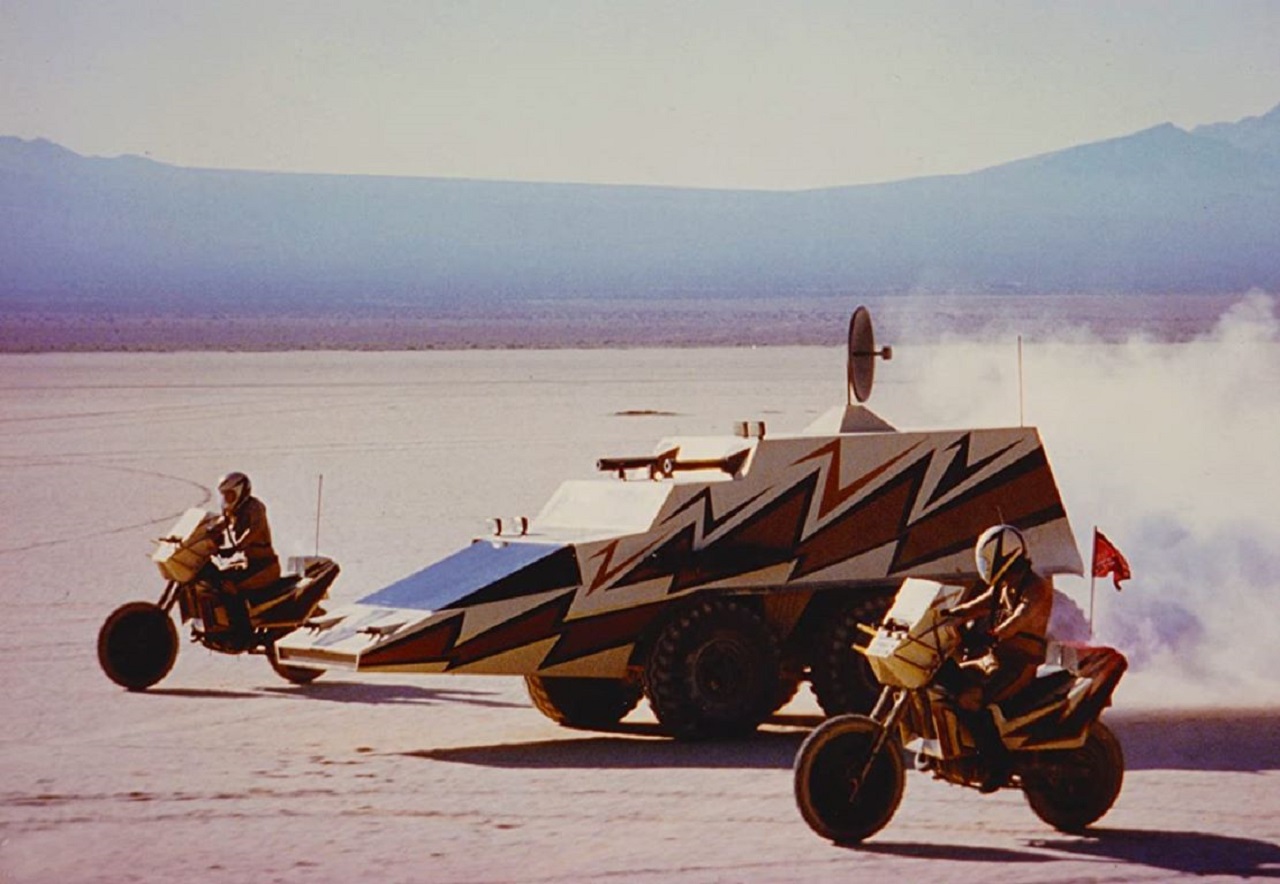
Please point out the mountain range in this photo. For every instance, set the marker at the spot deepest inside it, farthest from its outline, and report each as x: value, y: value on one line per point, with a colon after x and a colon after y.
x: 1161, y: 210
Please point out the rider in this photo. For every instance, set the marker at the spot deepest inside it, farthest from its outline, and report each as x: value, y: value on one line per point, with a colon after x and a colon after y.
x: 1014, y: 610
x: 245, y: 532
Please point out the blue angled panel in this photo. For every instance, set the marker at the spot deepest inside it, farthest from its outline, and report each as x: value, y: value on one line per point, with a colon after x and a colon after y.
x: 483, y: 572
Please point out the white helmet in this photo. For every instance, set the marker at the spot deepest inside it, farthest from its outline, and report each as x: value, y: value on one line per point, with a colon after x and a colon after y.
x: 999, y: 549
x: 235, y: 490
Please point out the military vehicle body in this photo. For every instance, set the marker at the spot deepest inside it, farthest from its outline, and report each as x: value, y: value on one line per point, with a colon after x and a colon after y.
x: 714, y: 575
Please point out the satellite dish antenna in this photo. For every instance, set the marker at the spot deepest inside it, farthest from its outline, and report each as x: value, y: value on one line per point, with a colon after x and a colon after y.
x: 862, y: 355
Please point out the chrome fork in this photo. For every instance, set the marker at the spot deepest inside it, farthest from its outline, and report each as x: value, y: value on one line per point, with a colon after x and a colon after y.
x: 887, y: 711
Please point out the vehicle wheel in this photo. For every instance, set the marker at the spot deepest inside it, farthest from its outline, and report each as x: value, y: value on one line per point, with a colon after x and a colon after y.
x: 137, y: 645
x: 842, y: 678
x: 582, y: 702
x: 713, y: 671
x: 827, y: 768
x: 1074, y: 788
x: 292, y: 674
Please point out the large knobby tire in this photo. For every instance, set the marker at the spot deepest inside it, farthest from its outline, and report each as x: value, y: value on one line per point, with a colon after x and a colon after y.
x: 1076, y: 787
x: 582, y: 702
x: 713, y: 671
x: 827, y: 769
x: 137, y: 645
x: 842, y: 678
x: 293, y: 674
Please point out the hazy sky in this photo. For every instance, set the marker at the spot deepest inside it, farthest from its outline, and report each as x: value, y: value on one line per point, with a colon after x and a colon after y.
x: 713, y: 94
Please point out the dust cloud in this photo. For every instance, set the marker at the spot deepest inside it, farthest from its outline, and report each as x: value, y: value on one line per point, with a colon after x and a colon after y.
x: 1169, y: 449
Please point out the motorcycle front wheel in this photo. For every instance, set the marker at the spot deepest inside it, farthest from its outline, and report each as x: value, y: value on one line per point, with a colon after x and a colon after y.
x: 1077, y: 786
x: 137, y: 645
x: 833, y: 797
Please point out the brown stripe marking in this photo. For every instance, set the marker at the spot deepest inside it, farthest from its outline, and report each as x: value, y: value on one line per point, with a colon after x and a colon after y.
x: 431, y: 644
x: 872, y: 522
x: 1022, y: 494
x: 534, y: 625
x: 590, y: 635
x: 832, y: 494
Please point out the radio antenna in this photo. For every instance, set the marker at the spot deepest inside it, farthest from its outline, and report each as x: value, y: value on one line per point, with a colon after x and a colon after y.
x: 319, y: 499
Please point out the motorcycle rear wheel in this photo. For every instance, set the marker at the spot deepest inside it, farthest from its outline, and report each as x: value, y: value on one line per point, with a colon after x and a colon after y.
x: 137, y: 645
x: 293, y: 674
x: 829, y: 762
x: 1081, y: 784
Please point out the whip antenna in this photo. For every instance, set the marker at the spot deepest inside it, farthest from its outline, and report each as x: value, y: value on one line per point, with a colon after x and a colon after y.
x: 319, y: 499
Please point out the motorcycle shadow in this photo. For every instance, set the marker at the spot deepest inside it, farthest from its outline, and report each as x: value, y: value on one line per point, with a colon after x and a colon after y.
x: 951, y: 852
x: 375, y: 694
x: 200, y: 693
x: 1193, y: 853
x: 349, y: 692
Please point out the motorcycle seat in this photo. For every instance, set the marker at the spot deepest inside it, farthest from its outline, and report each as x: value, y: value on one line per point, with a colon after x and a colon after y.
x: 256, y: 597
x: 1049, y: 685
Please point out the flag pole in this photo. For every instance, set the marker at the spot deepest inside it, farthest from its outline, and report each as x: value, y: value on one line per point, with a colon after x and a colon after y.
x: 1022, y: 420
x: 1093, y: 577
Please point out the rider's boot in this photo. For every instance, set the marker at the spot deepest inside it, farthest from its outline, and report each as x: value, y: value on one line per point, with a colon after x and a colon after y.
x: 991, y: 749
x: 237, y: 611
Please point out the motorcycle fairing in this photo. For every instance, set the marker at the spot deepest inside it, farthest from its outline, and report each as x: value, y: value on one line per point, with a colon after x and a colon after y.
x: 931, y: 726
x: 572, y: 596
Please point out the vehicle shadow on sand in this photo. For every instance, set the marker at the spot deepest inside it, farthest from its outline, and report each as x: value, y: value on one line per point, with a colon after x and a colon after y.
x: 640, y: 746
x: 1208, y: 740
x: 1194, y: 853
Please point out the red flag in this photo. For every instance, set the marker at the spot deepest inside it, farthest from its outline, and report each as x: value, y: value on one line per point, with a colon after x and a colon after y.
x: 1108, y: 560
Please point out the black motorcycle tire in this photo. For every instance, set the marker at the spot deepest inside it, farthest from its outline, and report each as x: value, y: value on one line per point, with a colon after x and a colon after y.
x: 137, y: 645
x: 1074, y: 788
x: 299, y: 675
x: 828, y: 763
x: 582, y: 702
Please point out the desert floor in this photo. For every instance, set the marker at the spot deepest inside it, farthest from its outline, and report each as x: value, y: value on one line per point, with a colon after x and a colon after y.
x: 224, y: 772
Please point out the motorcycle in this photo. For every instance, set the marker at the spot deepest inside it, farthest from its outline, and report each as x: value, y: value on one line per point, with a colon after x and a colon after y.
x: 849, y: 772
x: 138, y: 642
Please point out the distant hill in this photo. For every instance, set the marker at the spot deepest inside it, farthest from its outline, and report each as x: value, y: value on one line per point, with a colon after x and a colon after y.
x: 1162, y: 210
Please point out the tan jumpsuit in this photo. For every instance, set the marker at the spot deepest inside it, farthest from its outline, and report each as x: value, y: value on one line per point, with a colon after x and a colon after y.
x: 1021, y: 614
x: 248, y: 533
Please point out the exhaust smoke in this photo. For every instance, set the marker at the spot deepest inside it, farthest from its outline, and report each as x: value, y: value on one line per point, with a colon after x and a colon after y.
x: 1172, y: 450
